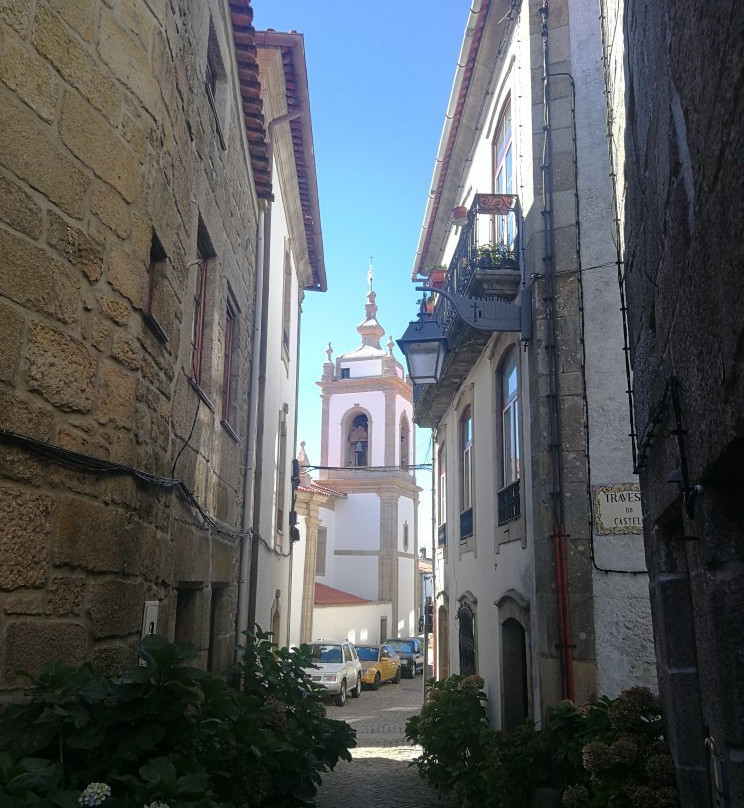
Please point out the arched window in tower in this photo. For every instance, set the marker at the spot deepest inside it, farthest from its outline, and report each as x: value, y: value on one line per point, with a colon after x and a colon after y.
x: 405, y: 439
x: 358, y: 441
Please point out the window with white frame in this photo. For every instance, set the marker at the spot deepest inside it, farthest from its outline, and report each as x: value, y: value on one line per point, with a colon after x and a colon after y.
x: 510, y: 419
x: 286, y: 304
x: 466, y: 464
x: 509, y: 495
x: 503, y: 175
x: 442, y: 488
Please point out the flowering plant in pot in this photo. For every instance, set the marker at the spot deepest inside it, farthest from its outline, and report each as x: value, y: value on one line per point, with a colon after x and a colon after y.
x: 490, y: 255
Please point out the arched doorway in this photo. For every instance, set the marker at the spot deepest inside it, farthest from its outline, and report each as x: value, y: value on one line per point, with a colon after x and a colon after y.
x: 515, y: 705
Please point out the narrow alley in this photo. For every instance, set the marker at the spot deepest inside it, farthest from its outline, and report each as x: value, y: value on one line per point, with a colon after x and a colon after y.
x: 379, y: 773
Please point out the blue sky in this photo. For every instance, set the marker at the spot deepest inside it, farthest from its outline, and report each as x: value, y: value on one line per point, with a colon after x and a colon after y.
x: 379, y: 77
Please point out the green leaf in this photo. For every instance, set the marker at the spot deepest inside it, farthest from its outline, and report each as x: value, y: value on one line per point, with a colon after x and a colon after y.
x: 159, y: 770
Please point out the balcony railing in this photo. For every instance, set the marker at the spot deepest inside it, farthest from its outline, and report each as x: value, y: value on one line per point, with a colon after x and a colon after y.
x: 466, y: 524
x: 486, y: 260
x: 508, y: 499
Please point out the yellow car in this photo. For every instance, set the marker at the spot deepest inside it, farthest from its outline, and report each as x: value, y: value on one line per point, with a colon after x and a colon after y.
x: 380, y: 663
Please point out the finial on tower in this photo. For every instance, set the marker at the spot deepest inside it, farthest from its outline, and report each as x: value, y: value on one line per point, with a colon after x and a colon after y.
x: 369, y: 273
x: 329, y: 352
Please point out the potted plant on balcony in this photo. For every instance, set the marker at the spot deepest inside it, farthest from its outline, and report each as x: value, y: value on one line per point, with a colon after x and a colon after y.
x: 489, y: 255
x: 436, y: 276
x: 460, y: 216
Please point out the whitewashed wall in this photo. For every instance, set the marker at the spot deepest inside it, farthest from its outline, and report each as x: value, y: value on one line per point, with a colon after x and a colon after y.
x: 359, y: 623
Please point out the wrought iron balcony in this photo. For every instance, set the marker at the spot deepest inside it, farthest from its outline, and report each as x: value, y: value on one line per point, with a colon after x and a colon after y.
x: 466, y: 524
x: 486, y: 265
x: 508, y: 499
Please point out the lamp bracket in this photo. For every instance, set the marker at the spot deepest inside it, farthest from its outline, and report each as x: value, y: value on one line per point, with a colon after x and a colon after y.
x: 484, y: 314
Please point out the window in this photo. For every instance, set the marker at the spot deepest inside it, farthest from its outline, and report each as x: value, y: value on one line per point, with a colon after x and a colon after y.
x: 466, y: 644
x: 358, y: 441
x: 155, y: 280
x: 405, y: 537
x: 320, y: 557
x: 442, y: 498
x: 281, y: 474
x: 230, y: 366
x: 345, y: 373
x: 508, y: 497
x: 286, y: 305
x: 197, y: 324
x: 466, y: 474
x: 466, y: 444
x: 503, y: 227
x: 215, y: 80
x: 405, y: 434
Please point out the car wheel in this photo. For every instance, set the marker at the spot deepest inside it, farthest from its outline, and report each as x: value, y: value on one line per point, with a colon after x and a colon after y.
x: 412, y: 672
x: 376, y: 683
x: 357, y: 691
x: 396, y: 678
x: 340, y: 697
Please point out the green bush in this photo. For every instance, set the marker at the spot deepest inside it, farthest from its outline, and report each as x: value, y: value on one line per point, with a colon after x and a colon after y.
x: 606, y: 753
x: 167, y: 732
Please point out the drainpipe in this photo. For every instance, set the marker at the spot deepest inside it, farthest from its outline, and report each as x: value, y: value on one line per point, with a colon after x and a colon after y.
x: 261, y: 380
x: 565, y: 644
x: 249, y: 487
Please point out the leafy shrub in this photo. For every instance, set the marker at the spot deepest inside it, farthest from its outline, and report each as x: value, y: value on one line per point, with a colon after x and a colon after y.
x: 452, y: 730
x: 168, y: 733
x: 606, y: 753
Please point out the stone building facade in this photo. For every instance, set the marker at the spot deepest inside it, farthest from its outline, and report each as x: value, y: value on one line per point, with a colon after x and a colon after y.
x: 684, y: 269
x: 132, y: 172
x: 539, y: 589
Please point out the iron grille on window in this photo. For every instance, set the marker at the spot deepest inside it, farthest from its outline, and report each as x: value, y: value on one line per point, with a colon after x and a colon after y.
x: 509, y: 503
x: 442, y: 536
x: 466, y: 640
x: 466, y: 524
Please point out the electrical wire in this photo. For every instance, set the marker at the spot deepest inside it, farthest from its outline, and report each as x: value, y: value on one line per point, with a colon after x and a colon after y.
x: 94, y: 465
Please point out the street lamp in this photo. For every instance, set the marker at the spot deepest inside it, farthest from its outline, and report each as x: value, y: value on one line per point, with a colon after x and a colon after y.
x: 424, y: 344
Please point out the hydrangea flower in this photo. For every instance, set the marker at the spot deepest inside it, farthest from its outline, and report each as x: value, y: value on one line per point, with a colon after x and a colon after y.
x: 94, y: 794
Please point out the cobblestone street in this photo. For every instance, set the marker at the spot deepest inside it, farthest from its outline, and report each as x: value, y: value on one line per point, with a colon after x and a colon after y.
x: 379, y: 774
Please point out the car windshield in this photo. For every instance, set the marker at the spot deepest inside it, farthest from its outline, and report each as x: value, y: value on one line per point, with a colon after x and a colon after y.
x: 402, y: 645
x: 367, y: 654
x: 321, y: 652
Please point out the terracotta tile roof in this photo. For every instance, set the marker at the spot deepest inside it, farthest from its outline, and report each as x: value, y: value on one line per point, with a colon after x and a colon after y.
x: 456, y: 119
x: 315, y: 488
x: 328, y: 596
x: 244, y: 34
x: 292, y: 48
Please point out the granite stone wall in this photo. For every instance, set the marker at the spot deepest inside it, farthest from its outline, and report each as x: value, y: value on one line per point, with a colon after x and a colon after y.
x: 114, y: 163
x: 684, y: 231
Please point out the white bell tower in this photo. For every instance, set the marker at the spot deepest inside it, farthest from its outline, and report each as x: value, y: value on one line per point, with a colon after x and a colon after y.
x: 367, y: 453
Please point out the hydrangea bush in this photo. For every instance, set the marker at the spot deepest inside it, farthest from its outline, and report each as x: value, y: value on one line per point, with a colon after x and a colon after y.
x: 169, y: 735
x: 608, y: 752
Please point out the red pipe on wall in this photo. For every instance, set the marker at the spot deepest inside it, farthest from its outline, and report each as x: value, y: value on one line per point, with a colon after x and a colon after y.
x: 565, y: 643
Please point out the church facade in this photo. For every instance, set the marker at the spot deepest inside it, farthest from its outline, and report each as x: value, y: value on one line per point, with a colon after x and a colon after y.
x: 356, y: 564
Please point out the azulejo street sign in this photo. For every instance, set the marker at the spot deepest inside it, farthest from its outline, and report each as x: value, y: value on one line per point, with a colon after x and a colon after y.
x: 617, y: 509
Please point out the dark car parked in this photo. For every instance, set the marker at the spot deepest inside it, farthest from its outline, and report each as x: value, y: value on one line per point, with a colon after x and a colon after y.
x: 411, y: 653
